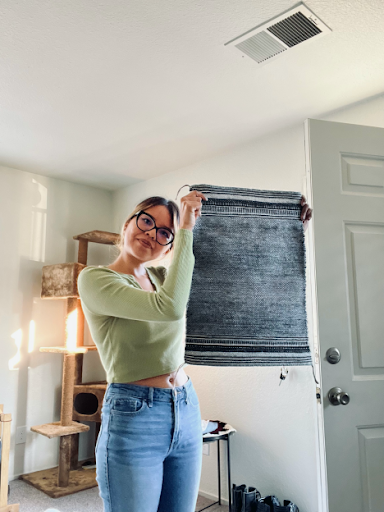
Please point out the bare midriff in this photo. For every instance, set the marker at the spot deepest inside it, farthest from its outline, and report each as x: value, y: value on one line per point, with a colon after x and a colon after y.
x: 164, y: 381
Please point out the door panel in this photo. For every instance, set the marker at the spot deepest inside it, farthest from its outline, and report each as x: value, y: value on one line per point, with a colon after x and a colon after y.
x: 365, y: 275
x: 368, y: 266
x: 371, y: 443
x: 362, y: 175
x: 347, y: 173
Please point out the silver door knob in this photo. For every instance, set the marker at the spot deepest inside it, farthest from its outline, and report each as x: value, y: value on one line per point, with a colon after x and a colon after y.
x: 338, y: 397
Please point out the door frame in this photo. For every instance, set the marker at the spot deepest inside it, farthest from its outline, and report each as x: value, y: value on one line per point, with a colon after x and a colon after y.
x: 323, y: 505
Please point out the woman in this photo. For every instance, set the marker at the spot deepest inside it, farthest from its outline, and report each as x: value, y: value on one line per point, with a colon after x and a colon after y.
x: 149, y: 449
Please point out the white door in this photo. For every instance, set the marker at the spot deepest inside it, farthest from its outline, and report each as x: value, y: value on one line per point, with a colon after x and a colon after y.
x: 347, y: 171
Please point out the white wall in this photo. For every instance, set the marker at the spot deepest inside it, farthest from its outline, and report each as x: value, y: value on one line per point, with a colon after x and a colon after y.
x: 38, y: 218
x: 369, y: 112
x: 275, y: 448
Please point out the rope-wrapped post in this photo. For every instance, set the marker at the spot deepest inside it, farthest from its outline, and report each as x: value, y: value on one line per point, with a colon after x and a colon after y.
x: 66, y: 418
x: 67, y: 389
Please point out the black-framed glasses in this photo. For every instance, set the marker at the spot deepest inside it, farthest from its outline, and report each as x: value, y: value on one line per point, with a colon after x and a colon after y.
x: 146, y: 222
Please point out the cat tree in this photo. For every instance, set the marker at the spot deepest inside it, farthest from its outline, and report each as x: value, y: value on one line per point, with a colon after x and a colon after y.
x: 79, y: 401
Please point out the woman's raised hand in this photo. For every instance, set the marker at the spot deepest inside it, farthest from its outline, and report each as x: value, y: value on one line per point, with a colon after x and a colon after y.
x: 306, y: 212
x: 190, y: 209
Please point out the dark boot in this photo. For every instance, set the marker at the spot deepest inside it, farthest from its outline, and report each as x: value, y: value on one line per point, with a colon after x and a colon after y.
x: 250, y: 499
x: 291, y: 507
x: 274, y: 504
x: 237, y: 497
x: 262, y: 507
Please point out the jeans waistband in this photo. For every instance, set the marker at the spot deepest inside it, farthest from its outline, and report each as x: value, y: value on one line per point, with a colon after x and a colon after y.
x: 149, y: 393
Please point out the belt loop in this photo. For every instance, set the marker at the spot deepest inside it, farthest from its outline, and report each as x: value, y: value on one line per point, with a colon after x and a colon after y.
x: 186, y: 395
x: 150, y: 397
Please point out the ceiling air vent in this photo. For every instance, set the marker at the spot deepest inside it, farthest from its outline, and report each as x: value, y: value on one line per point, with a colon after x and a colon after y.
x: 283, y: 32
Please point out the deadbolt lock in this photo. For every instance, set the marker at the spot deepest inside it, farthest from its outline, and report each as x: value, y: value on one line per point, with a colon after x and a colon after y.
x: 333, y: 355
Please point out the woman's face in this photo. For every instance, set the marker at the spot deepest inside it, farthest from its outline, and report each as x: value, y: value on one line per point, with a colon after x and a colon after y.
x: 133, y: 236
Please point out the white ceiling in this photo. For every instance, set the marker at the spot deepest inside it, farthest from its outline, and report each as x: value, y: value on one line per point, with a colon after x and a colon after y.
x: 111, y: 93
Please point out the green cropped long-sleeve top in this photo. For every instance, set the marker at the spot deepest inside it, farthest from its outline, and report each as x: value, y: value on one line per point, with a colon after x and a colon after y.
x: 139, y: 334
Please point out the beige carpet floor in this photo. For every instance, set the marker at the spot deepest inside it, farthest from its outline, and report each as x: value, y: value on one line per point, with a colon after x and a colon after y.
x: 33, y: 500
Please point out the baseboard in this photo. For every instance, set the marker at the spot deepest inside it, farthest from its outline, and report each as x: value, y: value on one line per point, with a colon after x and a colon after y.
x: 213, y: 497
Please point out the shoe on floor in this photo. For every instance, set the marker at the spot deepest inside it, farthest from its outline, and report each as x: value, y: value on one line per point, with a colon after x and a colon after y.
x: 291, y: 507
x: 237, y: 497
x: 250, y: 499
x: 275, y: 506
x: 260, y: 506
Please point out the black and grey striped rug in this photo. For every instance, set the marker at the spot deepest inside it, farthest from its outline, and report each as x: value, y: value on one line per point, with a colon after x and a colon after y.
x: 247, y: 300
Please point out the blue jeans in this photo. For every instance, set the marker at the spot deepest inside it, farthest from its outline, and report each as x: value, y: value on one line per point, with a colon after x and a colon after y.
x: 149, y: 449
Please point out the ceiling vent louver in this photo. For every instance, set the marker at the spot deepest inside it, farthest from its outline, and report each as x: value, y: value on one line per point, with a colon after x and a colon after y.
x: 269, y: 40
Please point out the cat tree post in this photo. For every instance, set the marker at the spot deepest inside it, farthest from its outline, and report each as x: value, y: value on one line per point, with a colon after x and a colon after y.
x: 75, y: 437
x: 66, y: 418
x: 75, y: 303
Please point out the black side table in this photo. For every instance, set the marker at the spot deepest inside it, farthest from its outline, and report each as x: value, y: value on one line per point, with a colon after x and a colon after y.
x: 221, y: 437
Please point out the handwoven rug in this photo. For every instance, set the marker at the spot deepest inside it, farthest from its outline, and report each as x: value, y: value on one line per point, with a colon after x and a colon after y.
x: 247, y: 299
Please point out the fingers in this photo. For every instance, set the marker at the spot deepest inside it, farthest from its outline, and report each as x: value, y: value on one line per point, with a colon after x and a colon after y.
x: 307, y: 218
x: 304, y: 210
x: 191, y: 206
x: 193, y: 199
x: 306, y: 213
x: 194, y: 194
x: 200, y: 194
